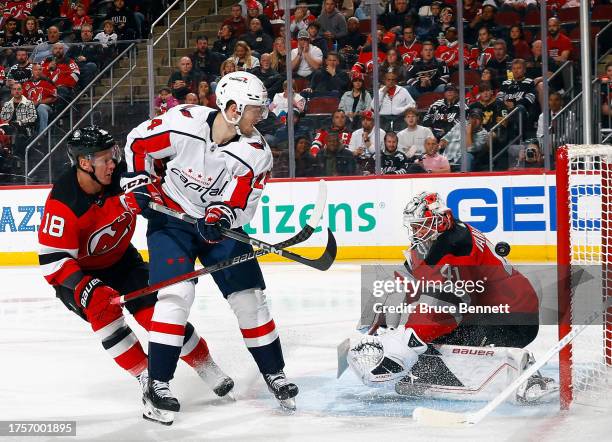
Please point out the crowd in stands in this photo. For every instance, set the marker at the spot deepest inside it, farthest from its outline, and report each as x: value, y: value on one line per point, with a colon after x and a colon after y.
x: 49, y: 51
x: 418, y: 99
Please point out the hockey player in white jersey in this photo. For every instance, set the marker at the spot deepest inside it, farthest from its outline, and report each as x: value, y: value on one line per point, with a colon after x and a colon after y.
x: 214, y: 166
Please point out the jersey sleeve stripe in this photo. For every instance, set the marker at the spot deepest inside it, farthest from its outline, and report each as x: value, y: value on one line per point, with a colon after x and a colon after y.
x: 142, y: 146
x: 49, y: 258
x: 52, y: 267
x: 59, y: 273
x: 244, y: 186
x: 44, y: 250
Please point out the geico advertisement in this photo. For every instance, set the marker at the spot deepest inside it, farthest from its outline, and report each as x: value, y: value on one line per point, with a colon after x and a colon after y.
x: 519, y: 209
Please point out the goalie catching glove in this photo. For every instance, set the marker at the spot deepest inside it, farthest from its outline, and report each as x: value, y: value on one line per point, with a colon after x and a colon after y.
x: 387, y: 357
x: 216, y: 216
x: 140, y: 190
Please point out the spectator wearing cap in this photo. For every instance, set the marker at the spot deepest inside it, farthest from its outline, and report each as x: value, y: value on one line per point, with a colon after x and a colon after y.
x: 493, y: 110
x: 476, y: 138
x: 330, y: 80
x: 427, y: 74
x: 335, y: 159
x: 398, y: 16
x: 306, y: 58
x: 393, y: 102
x: 486, y: 19
x: 352, y: 43
x: 257, y: 39
x: 411, y: 139
x: 355, y: 101
x: 333, y: 23
x: 253, y: 12
x: 431, y: 160
x: 224, y: 45
x: 362, y: 140
x: 500, y: 62
x: 236, y: 21
x: 409, y: 47
x: 443, y: 114
x: 272, y: 80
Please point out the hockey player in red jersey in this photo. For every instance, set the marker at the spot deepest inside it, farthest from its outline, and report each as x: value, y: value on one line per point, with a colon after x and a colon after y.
x: 468, y: 296
x: 86, y: 255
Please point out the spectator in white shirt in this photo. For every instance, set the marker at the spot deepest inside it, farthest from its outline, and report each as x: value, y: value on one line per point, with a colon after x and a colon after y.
x: 362, y: 140
x: 393, y: 102
x: 280, y: 103
x: 411, y: 140
x: 306, y: 58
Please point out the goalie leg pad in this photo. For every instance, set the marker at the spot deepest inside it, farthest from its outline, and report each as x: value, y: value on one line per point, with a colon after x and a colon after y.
x: 380, y: 359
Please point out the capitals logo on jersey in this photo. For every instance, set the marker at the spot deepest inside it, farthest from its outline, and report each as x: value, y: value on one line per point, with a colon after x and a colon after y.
x: 110, y: 236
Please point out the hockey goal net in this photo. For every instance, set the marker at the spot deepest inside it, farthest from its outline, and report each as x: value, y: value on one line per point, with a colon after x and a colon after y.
x: 584, y: 252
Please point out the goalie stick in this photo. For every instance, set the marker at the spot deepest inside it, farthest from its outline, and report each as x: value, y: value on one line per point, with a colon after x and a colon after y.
x: 438, y: 418
x: 306, y: 232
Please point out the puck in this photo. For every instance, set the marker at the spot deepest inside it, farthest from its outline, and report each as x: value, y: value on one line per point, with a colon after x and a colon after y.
x: 502, y: 248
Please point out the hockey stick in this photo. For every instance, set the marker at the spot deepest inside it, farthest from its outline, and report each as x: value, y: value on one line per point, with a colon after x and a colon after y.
x: 322, y: 263
x: 306, y: 232
x: 440, y: 418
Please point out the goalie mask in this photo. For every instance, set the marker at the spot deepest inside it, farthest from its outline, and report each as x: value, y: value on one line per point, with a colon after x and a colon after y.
x: 426, y: 217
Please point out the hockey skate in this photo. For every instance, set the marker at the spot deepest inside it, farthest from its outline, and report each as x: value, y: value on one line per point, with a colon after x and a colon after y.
x: 212, y: 375
x: 284, y: 391
x: 159, y: 403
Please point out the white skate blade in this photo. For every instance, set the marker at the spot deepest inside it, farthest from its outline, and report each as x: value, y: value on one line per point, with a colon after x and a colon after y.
x: 287, y: 404
x: 153, y: 414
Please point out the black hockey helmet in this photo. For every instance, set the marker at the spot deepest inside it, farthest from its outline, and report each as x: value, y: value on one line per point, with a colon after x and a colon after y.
x: 88, y: 141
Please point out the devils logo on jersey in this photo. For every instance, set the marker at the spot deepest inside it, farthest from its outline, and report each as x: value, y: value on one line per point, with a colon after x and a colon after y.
x: 110, y: 236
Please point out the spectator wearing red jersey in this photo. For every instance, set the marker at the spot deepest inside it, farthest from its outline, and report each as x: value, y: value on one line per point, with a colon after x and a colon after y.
x: 483, y: 50
x: 409, y: 48
x: 63, y: 71
x: 80, y: 18
x: 69, y: 7
x: 43, y: 93
x: 236, y: 21
x: 365, y: 63
x: 448, y: 51
x: 339, y: 126
x: 559, y: 44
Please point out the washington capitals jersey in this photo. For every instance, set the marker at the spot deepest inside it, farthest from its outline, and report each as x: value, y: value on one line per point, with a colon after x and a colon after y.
x: 81, y: 232
x: 460, y: 255
x: 199, y: 172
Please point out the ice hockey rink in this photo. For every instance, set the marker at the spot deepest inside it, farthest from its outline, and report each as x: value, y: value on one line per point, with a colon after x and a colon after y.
x: 53, y: 368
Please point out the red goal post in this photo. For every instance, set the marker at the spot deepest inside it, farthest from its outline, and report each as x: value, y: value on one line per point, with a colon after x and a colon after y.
x: 584, y: 238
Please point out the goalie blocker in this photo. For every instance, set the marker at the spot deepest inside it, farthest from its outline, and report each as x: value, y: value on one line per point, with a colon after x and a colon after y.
x: 441, y: 351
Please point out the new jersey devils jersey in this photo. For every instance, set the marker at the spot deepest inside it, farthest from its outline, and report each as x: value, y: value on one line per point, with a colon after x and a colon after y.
x: 81, y: 232
x: 198, y: 171
x: 463, y: 254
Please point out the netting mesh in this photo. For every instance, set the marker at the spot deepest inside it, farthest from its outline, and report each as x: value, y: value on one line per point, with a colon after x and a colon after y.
x: 590, y: 240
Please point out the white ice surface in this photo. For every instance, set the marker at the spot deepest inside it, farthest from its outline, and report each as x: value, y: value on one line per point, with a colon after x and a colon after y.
x: 52, y: 367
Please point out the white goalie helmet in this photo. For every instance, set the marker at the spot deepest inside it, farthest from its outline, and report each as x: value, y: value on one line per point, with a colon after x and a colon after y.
x: 244, y: 89
x: 426, y: 217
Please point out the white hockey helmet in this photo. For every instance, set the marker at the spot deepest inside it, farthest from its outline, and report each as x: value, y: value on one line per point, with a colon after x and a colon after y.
x: 426, y: 217
x: 244, y: 89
